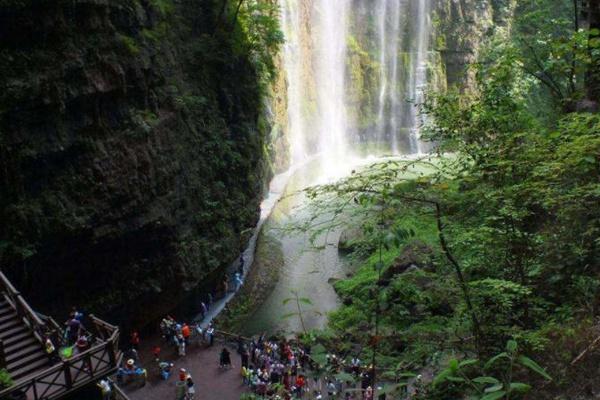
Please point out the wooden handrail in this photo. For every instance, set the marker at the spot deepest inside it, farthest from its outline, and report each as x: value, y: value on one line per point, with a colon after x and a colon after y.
x: 22, y: 308
x: 66, y: 365
x: 42, y: 326
x: 103, y: 323
x: 119, y: 393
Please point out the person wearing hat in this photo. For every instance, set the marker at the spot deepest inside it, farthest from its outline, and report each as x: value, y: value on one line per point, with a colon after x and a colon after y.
x: 182, y: 375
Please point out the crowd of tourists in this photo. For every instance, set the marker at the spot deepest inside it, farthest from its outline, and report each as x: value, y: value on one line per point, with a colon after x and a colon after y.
x: 280, y: 369
x: 271, y: 368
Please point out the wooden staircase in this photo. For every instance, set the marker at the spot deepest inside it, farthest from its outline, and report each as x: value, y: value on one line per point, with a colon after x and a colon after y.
x: 23, y: 352
x: 22, y: 335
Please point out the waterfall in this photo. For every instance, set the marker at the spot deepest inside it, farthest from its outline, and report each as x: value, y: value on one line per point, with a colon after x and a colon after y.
x: 330, y: 21
x: 292, y: 58
x: 418, y: 73
x: 395, y: 36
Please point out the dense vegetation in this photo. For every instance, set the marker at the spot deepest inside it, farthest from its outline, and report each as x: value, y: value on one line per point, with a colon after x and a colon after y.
x: 495, y: 239
x: 134, y: 148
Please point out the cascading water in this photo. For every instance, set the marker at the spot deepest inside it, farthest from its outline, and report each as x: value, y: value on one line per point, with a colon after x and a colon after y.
x: 351, y: 67
x: 330, y: 79
x: 317, y: 61
x: 290, y: 24
x: 418, y: 73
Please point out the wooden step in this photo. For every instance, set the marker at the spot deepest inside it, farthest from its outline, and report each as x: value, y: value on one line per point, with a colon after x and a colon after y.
x: 6, y: 311
x: 10, y: 333
x: 29, y: 368
x: 16, y: 346
x: 26, y: 360
x: 14, y: 339
x: 7, y: 317
x: 10, y: 324
x: 23, y: 351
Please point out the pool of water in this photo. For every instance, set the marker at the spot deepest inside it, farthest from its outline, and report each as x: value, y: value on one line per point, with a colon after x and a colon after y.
x: 309, y: 266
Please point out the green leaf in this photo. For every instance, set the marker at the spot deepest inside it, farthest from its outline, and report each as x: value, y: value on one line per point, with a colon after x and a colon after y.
x: 455, y: 379
x: 466, y: 363
x: 487, y: 380
x: 390, y: 389
x: 494, y: 388
x: 519, y: 387
x: 289, y: 315
x: 494, y: 396
x: 442, y: 377
x: 345, y: 377
x: 511, y: 346
x: 453, y: 365
x: 305, y: 300
x: 496, y: 358
x: 590, y: 159
x: 535, y: 367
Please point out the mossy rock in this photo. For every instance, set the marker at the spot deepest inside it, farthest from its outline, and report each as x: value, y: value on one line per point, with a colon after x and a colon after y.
x: 416, y: 255
x: 349, y: 238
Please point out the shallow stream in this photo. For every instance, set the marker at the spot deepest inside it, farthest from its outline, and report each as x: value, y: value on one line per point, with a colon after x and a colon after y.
x: 308, y: 267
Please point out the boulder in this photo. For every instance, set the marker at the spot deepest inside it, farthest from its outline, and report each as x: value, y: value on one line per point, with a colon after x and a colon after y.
x: 414, y: 256
x: 349, y: 238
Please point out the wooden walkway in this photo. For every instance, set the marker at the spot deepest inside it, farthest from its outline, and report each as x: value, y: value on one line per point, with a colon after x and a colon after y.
x: 37, y: 379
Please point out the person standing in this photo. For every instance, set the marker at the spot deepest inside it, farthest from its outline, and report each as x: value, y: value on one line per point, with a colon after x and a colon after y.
x: 191, y: 390
x: 225, y: 358
x: 51, y: 350
x: 300, y: 382
x: 238, y: 281
x: 245, y: 356
x: 134, y: 340
x: 186, y: 332
x: 105, y: 389
x: 180, y: 345
x: 210, y: 335
x: 73, y: 331
x: 241, y: 266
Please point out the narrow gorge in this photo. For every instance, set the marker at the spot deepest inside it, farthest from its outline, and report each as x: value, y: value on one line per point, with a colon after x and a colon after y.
x: 388, y: 197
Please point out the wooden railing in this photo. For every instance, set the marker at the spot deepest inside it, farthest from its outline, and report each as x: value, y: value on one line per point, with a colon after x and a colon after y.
x: 99, y: 361
x: 73, y: 373
x: 24, y: 311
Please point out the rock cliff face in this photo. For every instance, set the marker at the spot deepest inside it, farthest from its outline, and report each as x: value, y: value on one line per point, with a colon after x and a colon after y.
x: 132, y: 151
x: 460, y: 27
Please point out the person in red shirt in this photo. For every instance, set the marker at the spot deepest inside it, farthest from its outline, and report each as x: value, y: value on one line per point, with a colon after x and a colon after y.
x: 300, y: 382
x: 156, y: 352
x: 186, y: 332
x: 183, y: 374
x: 135, y: 340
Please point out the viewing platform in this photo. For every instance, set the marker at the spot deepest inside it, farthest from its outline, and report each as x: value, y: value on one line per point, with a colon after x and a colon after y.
x: 22, y: 353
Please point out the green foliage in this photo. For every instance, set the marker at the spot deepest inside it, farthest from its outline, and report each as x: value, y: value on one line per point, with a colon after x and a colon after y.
x: 553, y: 47
x: 130, y: 44
x: 164, y: 7
x: 457, y: 377
x: 259, y: 20
x: 5, y: 379
x: 518, y: 203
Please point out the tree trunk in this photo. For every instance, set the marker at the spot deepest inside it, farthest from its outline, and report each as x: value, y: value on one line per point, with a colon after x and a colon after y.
x: 593, y: 73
